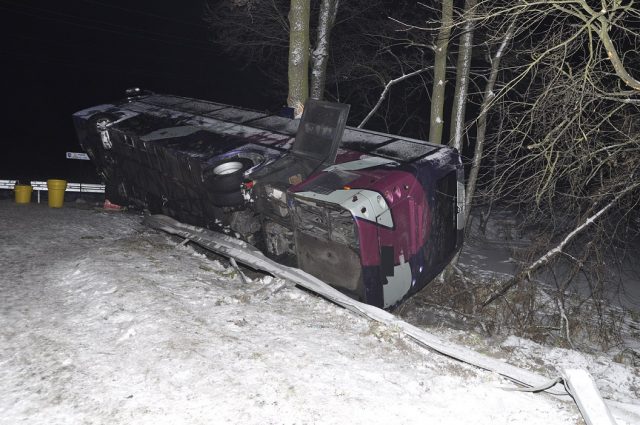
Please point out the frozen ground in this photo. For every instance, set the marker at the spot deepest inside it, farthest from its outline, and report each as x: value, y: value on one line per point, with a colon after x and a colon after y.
x: 105, y: 321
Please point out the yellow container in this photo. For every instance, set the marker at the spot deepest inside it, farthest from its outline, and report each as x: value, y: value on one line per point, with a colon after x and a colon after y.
x: 23, y: 193
x: 56, y: 190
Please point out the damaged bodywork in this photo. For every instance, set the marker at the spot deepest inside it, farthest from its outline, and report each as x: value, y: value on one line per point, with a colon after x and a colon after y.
x: 375, y: 215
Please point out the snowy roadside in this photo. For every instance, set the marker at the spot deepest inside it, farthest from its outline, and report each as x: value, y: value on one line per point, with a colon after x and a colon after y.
x: 104, y: 320
x: 487, y: 258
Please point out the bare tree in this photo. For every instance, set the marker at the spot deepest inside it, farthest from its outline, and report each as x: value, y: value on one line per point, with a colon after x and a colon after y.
x: 483, y: 117
x: 556, y: 133
x: 463, y: 68
x: 567, y: 151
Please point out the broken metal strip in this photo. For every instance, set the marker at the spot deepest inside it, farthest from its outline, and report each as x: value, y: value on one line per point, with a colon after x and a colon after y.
x: 249, y: 255
x: 581, y: 386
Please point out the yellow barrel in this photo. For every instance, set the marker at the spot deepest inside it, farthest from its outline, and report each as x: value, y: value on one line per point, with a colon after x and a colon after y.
x: 23, y: 193
x: 56, y: 190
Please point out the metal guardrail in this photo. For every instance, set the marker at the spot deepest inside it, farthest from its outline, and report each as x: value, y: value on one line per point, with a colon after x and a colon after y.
x: 71, y: 187
x: 40, y: 185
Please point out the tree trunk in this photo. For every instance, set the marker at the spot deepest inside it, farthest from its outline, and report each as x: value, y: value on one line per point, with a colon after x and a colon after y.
x: 462, y: 77
x: 298, y: 55
x: 487, y: 99
x: 436, y: 122
x: 320, y: 55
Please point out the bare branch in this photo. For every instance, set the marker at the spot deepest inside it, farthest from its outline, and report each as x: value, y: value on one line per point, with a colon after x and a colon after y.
x: 385, y: 91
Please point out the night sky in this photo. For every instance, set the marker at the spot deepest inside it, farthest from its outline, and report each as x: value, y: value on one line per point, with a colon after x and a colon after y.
x: 60, y: 57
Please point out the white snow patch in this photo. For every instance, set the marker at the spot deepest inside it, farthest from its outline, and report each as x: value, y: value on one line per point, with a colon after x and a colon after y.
x: 105, y: 321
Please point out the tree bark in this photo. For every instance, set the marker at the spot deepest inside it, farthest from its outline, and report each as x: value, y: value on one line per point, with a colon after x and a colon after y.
x: 320, y: 55
x: 462, y: 77
x: 298, y: 55
x: 436, y: 121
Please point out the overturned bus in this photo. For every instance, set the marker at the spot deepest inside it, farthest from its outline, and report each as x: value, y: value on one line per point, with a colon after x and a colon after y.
x: 376, y: 216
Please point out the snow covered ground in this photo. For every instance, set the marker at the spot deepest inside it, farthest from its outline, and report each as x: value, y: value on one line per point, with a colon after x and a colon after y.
x: 106, y: 321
